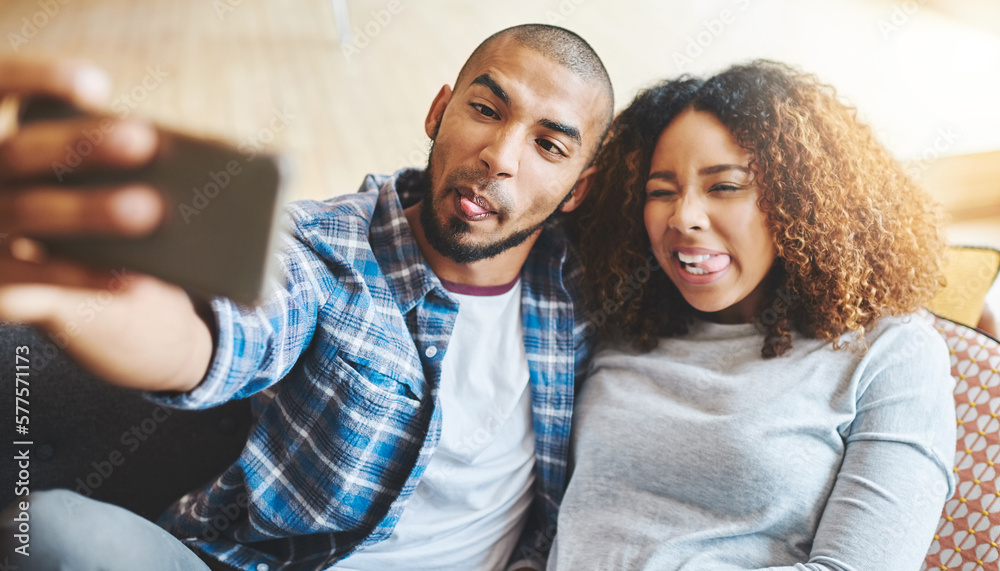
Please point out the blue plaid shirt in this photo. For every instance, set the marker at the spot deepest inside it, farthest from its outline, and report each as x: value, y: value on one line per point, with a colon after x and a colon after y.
x: 343, y: 366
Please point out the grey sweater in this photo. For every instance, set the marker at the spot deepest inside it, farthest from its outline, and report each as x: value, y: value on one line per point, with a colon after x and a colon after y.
x: 701, y: 455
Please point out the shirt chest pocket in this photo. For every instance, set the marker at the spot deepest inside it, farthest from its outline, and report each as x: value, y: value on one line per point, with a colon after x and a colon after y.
x: 374, y: 388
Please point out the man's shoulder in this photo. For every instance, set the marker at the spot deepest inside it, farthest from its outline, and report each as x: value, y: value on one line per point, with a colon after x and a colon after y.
x: 360, y: 207
x: 345, y: 229
x: 360, y: 204
x: 343, y: 216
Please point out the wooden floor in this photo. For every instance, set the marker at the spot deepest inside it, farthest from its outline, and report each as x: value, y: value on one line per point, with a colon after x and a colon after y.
x: 275, y: 73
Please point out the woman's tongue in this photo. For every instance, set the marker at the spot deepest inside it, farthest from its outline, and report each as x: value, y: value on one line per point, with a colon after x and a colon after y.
x: 472, y: 209
x: 714, y: 264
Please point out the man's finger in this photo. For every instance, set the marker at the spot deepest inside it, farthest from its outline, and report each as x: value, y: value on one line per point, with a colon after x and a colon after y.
x: 57, y: 149
x: 35, y: 304
x: 83, y: 84
x: 133, y: 210
x: 43, y: 304
x: 56, y: 273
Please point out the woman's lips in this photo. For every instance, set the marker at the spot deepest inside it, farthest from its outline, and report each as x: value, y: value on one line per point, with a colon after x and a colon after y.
x: 701, y: 268
x: 707, y: 263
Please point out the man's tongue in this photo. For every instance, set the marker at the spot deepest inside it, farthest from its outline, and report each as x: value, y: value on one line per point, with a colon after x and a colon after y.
x: 472, y: 209
x: 714, y: 264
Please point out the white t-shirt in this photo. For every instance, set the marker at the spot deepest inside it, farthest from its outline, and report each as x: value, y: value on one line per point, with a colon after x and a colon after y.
x: 469, y: 508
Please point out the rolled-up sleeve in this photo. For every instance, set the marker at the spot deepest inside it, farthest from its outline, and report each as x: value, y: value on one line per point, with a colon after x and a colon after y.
x: 255, y: 347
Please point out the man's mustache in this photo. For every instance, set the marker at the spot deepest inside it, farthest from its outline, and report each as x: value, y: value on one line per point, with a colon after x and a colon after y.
x: 490, y: 193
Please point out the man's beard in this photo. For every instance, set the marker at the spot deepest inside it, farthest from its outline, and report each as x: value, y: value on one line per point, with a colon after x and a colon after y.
x: 444, y: 237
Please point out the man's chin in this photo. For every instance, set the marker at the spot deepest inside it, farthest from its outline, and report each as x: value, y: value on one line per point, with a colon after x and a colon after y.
x: 464, y: 242
x: 457, y: 227
x: 461, y: 249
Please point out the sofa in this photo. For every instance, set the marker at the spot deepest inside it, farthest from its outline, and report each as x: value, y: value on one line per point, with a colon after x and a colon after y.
x: 105, y: 442
x: 112, y: 445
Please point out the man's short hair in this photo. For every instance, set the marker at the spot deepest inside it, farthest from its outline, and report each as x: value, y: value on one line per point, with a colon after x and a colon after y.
x: 561, y: 46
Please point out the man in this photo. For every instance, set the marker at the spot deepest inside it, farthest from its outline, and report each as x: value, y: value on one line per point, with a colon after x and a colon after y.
x: 412, y: 383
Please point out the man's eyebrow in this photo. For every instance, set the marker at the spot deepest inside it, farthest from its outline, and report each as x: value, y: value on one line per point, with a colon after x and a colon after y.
x: 568, y: 130
x: 488, y: 82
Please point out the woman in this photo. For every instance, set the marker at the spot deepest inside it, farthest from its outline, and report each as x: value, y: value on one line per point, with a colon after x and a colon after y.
x: 768, y: 399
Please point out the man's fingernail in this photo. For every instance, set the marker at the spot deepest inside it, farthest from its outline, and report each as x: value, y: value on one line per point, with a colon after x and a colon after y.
x: 26, y: 250
x: 92, y: 85
x: 134, y: 138
x: 137, y: 210
x: 25, y: 303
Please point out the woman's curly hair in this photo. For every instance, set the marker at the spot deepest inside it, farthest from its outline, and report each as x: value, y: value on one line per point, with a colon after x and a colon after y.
x: 856, y: 238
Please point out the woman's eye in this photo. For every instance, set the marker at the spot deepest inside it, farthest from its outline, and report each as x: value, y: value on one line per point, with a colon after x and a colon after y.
x: 726, y: 187
x: 660, y: 193
x: 549, y: 146
x: 484, y: 110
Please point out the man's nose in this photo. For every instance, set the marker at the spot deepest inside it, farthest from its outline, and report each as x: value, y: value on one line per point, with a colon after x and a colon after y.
x: 502, y: 155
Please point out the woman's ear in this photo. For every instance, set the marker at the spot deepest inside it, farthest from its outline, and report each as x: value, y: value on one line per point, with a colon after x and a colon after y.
x: 580, y: 189
x: 433, y: 120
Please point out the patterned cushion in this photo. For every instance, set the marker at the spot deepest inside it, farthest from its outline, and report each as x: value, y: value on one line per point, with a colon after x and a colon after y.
x: 968, y: 536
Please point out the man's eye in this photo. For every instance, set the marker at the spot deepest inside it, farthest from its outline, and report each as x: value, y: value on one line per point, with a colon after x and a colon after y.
x: 484, y: 110
x: 549, y: 146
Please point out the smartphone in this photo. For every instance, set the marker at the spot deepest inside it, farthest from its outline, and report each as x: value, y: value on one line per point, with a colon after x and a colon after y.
x: 222, y: 226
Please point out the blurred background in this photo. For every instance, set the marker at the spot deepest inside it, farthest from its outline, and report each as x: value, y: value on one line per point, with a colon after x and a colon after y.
x: 342, y: 87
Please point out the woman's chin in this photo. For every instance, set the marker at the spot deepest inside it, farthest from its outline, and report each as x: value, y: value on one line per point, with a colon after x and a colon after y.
x: 704, y: 305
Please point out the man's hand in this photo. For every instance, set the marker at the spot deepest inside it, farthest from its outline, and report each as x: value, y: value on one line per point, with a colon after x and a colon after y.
x: 136, y: 331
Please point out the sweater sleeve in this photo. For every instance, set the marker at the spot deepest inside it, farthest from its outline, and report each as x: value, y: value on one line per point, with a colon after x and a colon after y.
x: 899, y: 450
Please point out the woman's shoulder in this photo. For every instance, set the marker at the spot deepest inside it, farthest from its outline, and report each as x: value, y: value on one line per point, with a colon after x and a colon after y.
x: 907, y: 351
x: 906, y: 336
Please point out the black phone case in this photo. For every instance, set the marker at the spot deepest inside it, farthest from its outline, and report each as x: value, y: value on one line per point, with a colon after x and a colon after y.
x: 222, y: 224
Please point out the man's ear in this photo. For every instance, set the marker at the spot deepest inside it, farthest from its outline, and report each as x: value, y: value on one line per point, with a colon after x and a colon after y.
x: 580, y: 189
x: 437, y: 111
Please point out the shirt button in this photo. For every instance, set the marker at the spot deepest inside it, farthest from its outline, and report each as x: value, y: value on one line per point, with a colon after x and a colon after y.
x: 431, y: 351
x: 262, y: 567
